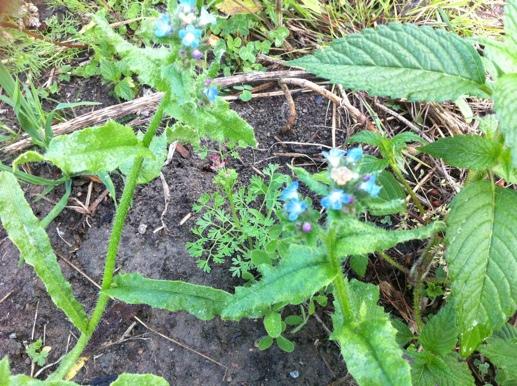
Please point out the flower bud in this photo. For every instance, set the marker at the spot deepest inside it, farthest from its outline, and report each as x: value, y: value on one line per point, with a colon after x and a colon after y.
x: 197, y: 54
x: 306, y: 227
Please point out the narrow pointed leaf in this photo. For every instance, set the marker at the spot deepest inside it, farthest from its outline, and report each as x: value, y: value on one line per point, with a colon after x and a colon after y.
x: 368, y: 340
x: 401, y: 61
x: 358, y: 238
x: 482, y: 257
x: 173, y: 295
x: 298, y: 276
x: 25, y: 231
x: 95, y: 149
x: 505, y: 100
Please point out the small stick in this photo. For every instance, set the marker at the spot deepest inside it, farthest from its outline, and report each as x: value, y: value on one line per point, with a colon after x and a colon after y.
x: 291, y: 119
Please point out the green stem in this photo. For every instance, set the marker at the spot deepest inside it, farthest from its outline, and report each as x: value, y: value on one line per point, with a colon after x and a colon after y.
x: 407, y: 187
x: 113, y: 246
x: 421, y: 269
x: 58, y: 208
x: 30, y: 179
x: 340, y: 284
x: 392, y: 262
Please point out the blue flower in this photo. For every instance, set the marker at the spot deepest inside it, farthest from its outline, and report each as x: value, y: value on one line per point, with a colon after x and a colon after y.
x: 295, y: 208
x: 290, y: 193
x: 369, y: 186
x: 206, y: 18
x: 163, y: 26
x: 336, y: 199
x: 211, y: 93
x: 334, y: 156
x: 190, y: 36
x: 188, y: 4
x: 354, y: 155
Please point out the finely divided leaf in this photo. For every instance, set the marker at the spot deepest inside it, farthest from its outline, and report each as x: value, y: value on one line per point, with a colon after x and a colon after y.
x: 95, y: 149
x: 299, y: 275
x: 25, y: 231
x: 429, y: 369
x: 173, y: 295
x: 466, y: 151
x: 482, y: 257
x: 505, y: 101
x: 401, y: 61
x: 358, y: 238
x: 368, y: 341
x: 140, y: 380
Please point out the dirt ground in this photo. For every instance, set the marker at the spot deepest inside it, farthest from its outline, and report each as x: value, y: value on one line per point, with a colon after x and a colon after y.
x: 125, y: 345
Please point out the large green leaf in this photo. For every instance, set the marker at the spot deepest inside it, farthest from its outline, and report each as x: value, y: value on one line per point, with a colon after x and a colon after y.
x: 25, y: 380
x: 25, y: 231
x: 140, y: 380
x: 466, y: 151
x: 151, y: 167
x: 501, y: 349
x: 95, y: 149
x: 401, y: 61
x: 505, y: 100
x: 510, y: 22
x: 216, y: 121
x: 299, y: 275
x: 429, y: 369
x: 173, y: 295
x: 482, y: 257
x: 368, y: 340
x: 440, y: 333
x: 146, y: 62
x: 357, y: 237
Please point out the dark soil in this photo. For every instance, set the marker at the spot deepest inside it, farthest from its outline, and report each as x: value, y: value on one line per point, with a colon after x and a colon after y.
x: 123, y: 345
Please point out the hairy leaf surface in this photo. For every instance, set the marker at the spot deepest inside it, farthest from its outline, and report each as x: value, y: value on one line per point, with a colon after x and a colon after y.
x: 505, y: 100
x: 25, y: 231
x: 466, y: 151
x: 429, y: 369
x: 440, y: 333
x: 299, y: 275
x: 358, y: 238
x: 501, y: 349
x: 482, y: 257
x: 401, y: 61
x: 95, y: 149
x: 173, y: 295
x: 368, y: 341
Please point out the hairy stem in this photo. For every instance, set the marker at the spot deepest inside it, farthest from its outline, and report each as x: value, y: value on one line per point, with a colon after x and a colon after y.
x: 113, y: 246
x: 407, y: 187
x: 342, y: 291
x: 392, y: 262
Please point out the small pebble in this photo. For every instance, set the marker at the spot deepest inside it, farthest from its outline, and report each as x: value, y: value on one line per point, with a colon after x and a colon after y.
x: 294, y: 374
x: 142, y: 228
x: 12, y: 336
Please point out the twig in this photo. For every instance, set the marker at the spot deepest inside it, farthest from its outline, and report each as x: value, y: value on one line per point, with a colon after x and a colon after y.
x: 291, y: 119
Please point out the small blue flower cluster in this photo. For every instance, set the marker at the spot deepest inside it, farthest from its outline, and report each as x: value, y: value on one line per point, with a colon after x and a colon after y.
x: 293, y: 204
x: 189, y: 26
x: 344, y: 178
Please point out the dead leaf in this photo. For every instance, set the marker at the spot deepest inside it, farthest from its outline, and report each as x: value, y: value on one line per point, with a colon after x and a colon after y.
x: 233, y: 7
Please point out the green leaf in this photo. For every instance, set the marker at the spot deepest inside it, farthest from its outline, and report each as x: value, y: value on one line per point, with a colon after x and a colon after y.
x: 510, y: 22
x: 466, y: 151
x: 359, y: 263
x: 505, y: 100
x: 404, y: 334
x: 151, y: 167
x: 217, y: 121
x: 367, y: 137
x: 183, y: 133
x: 368, y: 341
x: 440, y: 333
x: 298, y: 276
x: 401, y: 61
x: 125, y: 89
x: 145, y: 62
x: 265, y: 342
x: 431, y: 370
x: 140, y: 380
x: 173, y: 295
x: 309, y: 180
x: 95, y: 149
x: 358, y: 238
x: 285, y: 344
x: 482, y: 258
x: 25, y: 231
x: 28, y: 156
x: 392, y: 198
x: 273, y: 324
x: 501, y: 349
x: 502, y: 55
x: 25, y: 380
x: 5, y: 371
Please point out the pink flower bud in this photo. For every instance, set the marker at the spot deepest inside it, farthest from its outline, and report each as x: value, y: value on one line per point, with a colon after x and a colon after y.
x: 197, y: 54
x: 306, y: 227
